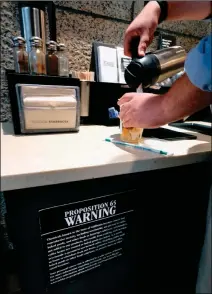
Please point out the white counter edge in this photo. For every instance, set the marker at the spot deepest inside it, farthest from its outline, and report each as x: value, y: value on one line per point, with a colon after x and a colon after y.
x: 15, y: 182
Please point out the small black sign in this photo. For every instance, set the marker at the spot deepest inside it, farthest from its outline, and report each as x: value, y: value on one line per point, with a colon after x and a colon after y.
x: 124, y: 63
x: 166, y: 41
x: 82, y: 236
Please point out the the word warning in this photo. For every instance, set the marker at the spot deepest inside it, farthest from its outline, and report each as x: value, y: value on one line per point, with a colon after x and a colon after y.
x: 82, y: 236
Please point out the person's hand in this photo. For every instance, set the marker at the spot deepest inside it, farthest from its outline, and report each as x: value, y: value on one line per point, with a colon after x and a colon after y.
x: 141, y: 110
x: 143, y: 26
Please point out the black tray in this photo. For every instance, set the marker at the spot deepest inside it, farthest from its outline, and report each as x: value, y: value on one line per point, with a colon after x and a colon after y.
x: 205, y: 130
x: 162, y: 133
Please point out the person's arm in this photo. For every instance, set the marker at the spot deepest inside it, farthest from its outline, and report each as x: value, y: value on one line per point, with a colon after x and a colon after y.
x: 151, y: 111
x: 183, y: 99
x: 145, y: 24
x: 188, y: 10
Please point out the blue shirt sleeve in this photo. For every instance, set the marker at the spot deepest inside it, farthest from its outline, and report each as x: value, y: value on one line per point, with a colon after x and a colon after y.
x: 198, y: 64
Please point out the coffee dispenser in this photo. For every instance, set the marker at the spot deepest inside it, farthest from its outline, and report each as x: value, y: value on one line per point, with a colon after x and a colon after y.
x: 155, y: 67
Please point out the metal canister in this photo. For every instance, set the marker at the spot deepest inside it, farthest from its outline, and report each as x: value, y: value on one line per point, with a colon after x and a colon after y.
x: 33, y: 24
x: 155, y: 67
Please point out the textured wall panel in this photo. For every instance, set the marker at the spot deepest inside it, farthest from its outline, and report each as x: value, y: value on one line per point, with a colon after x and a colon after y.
x: 118, y: 9
x: 79, y: 31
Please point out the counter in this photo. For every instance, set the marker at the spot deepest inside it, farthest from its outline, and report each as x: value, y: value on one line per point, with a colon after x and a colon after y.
x: 88, y: 216
x: 40, y: 160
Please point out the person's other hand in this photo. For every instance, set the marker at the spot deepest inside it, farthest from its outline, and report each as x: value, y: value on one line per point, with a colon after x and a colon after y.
x: 141, y: 110
x: 143, y: 26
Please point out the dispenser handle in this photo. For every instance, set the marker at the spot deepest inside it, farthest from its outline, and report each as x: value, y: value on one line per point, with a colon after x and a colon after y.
x: 134, y: 48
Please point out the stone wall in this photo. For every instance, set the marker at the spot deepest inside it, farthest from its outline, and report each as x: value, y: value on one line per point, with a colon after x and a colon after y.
x: 78, y: 31
x: 9, y: 27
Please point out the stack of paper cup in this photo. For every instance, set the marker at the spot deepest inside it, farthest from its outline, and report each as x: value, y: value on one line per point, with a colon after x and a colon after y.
x: 83, y: 75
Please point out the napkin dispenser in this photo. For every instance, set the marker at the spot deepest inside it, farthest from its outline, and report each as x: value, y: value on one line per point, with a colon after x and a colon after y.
x: 44, y: 104
x: 47, y: 108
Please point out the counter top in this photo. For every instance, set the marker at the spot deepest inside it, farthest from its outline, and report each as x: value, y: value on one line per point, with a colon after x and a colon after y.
x: 38, y: 160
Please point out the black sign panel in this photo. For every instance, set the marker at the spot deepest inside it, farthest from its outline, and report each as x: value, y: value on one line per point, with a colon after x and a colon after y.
x: 82, y: 236
x: 124, y: 63
x: 166, y: 41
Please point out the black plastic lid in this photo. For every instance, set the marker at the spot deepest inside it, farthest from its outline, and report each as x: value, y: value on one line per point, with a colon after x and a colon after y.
x: 143, y: 71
